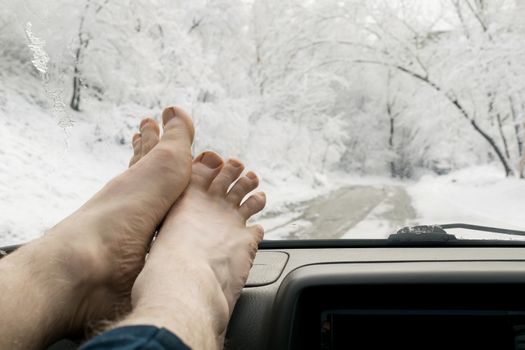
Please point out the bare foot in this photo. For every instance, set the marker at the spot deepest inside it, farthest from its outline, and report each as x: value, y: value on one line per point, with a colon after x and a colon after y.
x: 200, y: 262
x: 83, y: 269
x: 119, y: 220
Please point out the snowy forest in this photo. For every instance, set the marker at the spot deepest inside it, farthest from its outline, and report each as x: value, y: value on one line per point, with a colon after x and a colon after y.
x: 296, y: 88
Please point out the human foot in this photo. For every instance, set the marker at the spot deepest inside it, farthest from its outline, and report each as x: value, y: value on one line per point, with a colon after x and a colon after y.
x: 200, y: 261
x: 84, y: 267
x: 119, y: 220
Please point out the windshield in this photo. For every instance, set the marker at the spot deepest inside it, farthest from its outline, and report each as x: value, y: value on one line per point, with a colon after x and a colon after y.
x: 360, y: 117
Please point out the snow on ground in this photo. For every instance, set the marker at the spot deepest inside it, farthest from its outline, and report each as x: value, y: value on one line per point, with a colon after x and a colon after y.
x: 288, y: 192
x: 374, y: 226
x: 478, y: 195
x: 45, y: 174
x: 43, y: 179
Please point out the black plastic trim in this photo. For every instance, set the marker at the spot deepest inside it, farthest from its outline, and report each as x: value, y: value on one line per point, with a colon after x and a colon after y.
x: 318, y: 275
x: 378, y: 243
x: 362, y: 243
x: 10, y: 248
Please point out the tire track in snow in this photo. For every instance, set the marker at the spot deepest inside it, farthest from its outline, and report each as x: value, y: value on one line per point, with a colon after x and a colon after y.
x: 334, y: 215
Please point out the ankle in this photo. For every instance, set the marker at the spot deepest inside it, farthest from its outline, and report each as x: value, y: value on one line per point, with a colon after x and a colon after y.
x: 190, y: 299
x: 78, y: 258
x: 81, y: 270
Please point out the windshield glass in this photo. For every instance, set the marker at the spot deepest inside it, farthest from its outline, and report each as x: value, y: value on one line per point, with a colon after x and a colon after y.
x: 359, y: 117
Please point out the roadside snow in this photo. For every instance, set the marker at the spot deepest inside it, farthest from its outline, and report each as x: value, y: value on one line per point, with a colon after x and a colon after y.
x: 46, y: 174
x: 478, y: 195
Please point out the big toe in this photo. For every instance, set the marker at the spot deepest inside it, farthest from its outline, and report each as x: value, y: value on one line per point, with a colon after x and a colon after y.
x: 178, y: 126
x: 205, y: 168
x: 170, y: 159
x: 159, y: 178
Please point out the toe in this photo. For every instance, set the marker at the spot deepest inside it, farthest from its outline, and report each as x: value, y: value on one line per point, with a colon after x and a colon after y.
x: 253, y: 237
x: 257, y: 235
x: 149, y: 131
x: 205, y: 168
x: 245, y: 185
x: 170, y: 157
x: 136, y: 149
x: 168, y: 163
x: 252, y: 205
x: 229, y: 173
x: 177, y: 125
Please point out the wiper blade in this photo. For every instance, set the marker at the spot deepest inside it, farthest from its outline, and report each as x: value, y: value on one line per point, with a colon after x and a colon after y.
x: 437, y: 233
x: 484, y: 228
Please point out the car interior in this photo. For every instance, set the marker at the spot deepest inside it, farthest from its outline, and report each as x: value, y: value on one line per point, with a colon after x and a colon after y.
x: 359, y: 117
x: 400, y: 293
x: 382, y: 297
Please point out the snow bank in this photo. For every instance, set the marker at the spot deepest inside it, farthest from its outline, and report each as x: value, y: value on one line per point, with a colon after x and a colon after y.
x: 46, y: 174
x: 477, y: 195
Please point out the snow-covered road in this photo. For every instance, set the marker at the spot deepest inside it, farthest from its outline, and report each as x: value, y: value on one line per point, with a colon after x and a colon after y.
x: 338, y: 213
x: 374, y: 208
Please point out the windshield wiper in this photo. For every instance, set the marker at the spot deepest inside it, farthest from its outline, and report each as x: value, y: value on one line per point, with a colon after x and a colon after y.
x: 437, y: 233
x: 485, y: 229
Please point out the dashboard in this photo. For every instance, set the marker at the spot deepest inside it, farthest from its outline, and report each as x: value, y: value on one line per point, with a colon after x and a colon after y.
x: 306, y: 295
x: 379, y: 298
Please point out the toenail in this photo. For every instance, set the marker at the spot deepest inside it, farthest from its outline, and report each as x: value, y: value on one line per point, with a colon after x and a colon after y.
x: 210, y: 159
x: 168, y: 114
x: 251, y: 175
x: 235, y: 163
x: 142, y: 123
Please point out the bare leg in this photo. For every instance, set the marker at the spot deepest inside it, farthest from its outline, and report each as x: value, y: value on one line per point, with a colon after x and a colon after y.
x: 200, y: 262
x: 82, y: 270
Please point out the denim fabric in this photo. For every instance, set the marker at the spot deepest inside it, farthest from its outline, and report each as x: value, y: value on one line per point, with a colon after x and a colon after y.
x: 135, y: 338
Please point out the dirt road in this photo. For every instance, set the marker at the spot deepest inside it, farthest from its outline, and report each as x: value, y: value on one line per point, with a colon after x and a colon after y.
x: 333, y: 215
